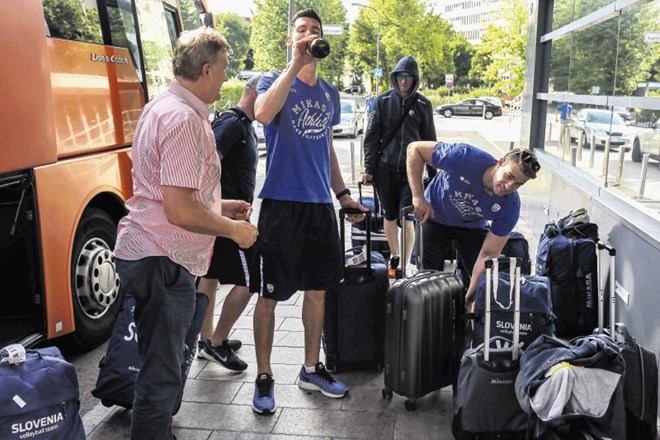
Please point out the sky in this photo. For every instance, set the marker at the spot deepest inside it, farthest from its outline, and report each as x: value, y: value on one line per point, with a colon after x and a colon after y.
x: 244, y: 7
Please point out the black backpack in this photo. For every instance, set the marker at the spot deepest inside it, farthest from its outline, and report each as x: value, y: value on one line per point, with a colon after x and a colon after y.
x: 221, y: 116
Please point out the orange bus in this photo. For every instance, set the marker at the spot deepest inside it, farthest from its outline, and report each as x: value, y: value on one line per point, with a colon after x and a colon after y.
x: 75, y: 76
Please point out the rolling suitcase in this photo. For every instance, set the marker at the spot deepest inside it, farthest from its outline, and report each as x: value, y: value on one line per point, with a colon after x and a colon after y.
x: 353, y: 327
x: 422, y: 333
x: 485, y: 404
x: 359, y: 230
x: 640, y: 387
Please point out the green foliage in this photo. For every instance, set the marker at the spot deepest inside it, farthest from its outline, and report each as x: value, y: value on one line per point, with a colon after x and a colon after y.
x: 70, y: 20
x: 237, y: 31
x: 499, y: 61
x: 230, y: 94
x: 189, y: 14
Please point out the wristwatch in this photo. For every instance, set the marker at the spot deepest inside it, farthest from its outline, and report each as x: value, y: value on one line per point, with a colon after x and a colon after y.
x: 341, y: 194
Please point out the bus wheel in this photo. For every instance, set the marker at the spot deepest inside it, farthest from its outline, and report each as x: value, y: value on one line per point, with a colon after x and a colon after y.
x: 94, y: 279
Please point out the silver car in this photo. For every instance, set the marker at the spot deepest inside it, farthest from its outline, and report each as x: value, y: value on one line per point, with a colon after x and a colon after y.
x: 647, y: 141
x: 602, y: 124
x: 352, y: 119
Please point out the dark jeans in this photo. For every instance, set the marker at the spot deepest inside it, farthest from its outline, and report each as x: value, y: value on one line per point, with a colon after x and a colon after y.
x: 164, y: 306
x: 440, y: 242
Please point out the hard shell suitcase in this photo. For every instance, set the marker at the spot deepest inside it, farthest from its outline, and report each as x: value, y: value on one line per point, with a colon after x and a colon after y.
x: 485, y: 404
x: 353, y: 327
x: 422, y: 333
x: 359, y: 230
x: 640, y: 387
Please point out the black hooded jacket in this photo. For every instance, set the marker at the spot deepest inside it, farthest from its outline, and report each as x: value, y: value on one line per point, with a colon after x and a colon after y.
x: 387, y: 111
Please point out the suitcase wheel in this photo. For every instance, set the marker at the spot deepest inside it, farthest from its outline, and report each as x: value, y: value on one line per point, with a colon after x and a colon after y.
x: 410, y: 404
x: 387, y: 393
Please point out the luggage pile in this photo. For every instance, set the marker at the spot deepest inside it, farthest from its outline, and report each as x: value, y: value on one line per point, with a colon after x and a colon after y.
x: 538, y: 363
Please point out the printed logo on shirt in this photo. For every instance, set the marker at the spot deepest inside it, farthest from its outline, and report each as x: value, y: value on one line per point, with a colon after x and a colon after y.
x: 464, y: 180
x: 496, y: 207
x: 466, y: 204
x: 270, y: 288
x: 411, y: 112
x: 311, y: 119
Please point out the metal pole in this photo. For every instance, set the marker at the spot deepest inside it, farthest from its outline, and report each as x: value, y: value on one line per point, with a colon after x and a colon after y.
x: 619, y: 169
x: 573, y: 155
x: 352, y: 161
x: 549, y: 137
x: 606, y: 160
x: 642, y: 177
x: 289, y: 49
x: 592, y: 151
x: 377, y: 41
x: 579, y: 148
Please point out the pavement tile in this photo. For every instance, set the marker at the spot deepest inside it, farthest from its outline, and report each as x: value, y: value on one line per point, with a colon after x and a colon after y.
x: 210, y: 391
x: 335, y: 423
x: 213, y: 416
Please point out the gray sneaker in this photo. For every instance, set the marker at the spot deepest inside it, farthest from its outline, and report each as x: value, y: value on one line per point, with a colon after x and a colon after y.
x: 223, y: 355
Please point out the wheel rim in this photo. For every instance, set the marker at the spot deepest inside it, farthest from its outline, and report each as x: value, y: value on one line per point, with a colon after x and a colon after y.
x: 97, y: 282
x: 447, y: 113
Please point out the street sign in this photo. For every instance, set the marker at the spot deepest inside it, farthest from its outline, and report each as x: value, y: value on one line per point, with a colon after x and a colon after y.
x: 378, y: 72
x: 333, y: 29
x: 449, y: 85
x: 449, y: 77
x: 652, y: 37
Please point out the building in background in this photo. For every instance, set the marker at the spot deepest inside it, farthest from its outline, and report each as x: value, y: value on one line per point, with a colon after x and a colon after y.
x: 469, y: 17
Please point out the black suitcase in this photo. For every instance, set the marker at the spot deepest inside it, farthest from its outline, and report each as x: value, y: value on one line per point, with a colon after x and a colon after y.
x: 485, y: 404
x: 359, y: 230
x: 517, y: 246
x: 640, y: 389
x: 422, y: 333
x: 353, y: 327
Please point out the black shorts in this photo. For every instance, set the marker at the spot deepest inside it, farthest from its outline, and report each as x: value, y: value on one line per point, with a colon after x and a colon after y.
x: 230, y: 264
x: 393, y: 191
x: 297, y: 249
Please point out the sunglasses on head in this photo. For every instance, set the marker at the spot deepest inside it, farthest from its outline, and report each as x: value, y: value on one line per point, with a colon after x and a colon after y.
x: 527, y: 157
x: 406, y: 78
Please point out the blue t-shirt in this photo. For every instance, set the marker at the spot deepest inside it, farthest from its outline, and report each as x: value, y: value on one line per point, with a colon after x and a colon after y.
x: 298, y: 142
x: 457, y: 193
x: 564, y: 110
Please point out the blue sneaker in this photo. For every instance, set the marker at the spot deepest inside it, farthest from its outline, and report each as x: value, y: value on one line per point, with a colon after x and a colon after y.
x: 263, y: 401
x: 321, y: 381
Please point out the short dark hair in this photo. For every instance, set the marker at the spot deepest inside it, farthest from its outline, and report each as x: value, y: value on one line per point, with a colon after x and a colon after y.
x: 309, y: 13
x: 526, y: 159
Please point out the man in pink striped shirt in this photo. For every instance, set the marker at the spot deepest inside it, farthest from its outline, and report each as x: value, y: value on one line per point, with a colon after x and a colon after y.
x: 174, y: 215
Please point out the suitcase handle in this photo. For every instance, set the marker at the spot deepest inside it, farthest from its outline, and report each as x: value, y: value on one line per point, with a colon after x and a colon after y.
x: 492, y: 271
x: 405, y: 212
x: 342, y: 219
x: 376, y: 200
x: 611, y: 251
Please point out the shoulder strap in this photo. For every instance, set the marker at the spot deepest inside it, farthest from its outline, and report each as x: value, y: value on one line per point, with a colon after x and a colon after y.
x: 242, y: 118
x: 385, y: 140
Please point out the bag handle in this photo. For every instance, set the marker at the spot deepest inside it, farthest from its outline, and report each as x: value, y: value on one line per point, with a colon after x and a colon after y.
x: 492, y: 269
x: 603, y: 246
x: 342, y: 217
x: 406, y: 212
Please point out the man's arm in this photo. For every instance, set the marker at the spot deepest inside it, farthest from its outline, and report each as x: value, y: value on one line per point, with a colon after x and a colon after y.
x: 418, y: 154
x: 186, y: 212
x: 492, y: 248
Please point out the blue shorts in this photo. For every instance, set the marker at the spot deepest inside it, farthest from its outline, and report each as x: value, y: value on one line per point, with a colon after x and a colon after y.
x: 297, y: 249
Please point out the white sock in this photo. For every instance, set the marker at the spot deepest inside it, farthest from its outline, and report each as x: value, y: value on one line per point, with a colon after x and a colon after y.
x: 311, y: 369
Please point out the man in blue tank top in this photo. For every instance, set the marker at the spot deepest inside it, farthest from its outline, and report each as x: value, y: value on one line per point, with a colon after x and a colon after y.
x: 472, y: 203
x: 299, y: 247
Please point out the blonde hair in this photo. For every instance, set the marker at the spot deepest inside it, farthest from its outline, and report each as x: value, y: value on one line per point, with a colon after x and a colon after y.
x: 196, y: 48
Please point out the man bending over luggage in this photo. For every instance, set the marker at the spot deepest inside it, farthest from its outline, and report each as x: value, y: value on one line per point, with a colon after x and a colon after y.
x: 471, y: 189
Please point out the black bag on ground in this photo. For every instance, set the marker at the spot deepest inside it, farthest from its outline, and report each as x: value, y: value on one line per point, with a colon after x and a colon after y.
x: 119, y: 367
x: 485, y: 404
x: 422, y: 333
x: 39, y: 395
x: 518, y: 247
x: 353, y: 326
x: 567, y: 255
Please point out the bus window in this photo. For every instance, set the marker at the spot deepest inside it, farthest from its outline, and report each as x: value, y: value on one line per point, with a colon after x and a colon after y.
x: 72, y: 20
x: 173, y: 27
x: 123, y: 31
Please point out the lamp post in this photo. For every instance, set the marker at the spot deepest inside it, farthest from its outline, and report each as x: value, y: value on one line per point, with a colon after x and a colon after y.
x: 377, y: 41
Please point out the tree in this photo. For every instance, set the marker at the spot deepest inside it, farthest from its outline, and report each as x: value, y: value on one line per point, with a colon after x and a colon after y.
x: 500, y: 58
x: 237, y: 31
x: 70, y: 20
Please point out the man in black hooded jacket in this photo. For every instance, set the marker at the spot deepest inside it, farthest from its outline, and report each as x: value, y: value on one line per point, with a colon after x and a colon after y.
x: 400, y: 116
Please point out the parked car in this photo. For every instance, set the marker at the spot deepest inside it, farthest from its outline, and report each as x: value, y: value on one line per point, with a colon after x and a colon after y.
x: 493, y: 100
x: 470, y: 107
x: 356, y: 89
x: 352, y: 119
x: 624, y: 113
x: 647, y: 140
x: 603, y: 124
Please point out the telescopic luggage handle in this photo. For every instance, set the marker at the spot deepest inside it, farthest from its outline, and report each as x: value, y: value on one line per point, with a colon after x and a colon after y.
x: 492, y: 270
x: 343, y: 212
x: 603, y: 246
x: 405, y: 212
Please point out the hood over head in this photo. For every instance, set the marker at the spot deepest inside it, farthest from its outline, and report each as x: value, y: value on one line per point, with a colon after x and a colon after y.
x: 406, y: 64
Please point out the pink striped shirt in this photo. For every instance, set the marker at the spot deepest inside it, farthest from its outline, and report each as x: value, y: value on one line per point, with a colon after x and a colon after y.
x: 173, y: 146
